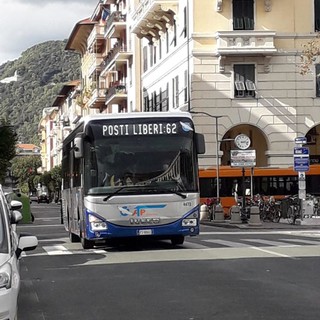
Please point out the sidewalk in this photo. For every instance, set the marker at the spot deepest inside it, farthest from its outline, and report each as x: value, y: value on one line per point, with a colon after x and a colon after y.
x: 306, y: 223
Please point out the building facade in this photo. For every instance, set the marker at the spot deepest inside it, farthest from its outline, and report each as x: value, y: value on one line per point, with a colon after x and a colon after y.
x: 238, y: 61
x: 235, y: 63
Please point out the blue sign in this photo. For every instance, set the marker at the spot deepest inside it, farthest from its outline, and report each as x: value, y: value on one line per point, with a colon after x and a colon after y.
x: 301, y: 163
x: 300, y: 140
x: 301, y: 151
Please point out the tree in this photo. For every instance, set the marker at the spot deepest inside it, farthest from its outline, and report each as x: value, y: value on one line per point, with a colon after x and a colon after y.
x: 24, y: 169
x: 310, y: 53
x: 8, y: 141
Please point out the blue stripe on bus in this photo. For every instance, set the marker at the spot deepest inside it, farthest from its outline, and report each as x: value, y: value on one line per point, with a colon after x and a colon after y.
x: 174, y: 228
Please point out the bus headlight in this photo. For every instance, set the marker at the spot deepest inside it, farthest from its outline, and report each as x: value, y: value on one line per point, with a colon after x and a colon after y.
x: 189, y: 222
x: 97, y: 224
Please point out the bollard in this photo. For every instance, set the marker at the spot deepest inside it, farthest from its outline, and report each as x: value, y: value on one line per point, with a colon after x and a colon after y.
x: 218, y: 214
x: 255, y: 216
x: 204, y: 212
x: 235, y: 215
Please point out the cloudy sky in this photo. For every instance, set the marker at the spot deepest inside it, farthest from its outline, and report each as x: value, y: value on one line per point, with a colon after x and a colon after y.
x: 24, y: 23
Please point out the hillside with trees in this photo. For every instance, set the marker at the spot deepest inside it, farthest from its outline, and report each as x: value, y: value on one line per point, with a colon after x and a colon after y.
x: 42, y: 70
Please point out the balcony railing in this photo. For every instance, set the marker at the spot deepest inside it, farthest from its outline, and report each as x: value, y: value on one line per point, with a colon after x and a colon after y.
x: 96, y: 35
x: 245, y: 42
x: 112, y: 55
x: 116, y: 89
x: 115, y: 18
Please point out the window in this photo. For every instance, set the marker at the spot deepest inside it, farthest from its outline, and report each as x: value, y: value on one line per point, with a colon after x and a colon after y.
x: 145, y: 59
x: 317, y: 80
x: 175, y: 92
x: 186, y: 86
x: 317, y: 15
x: 151, y: 55
x: 243, y: 15
x: 244, y: 80
x: 174, y: 39
x: 185, y: 25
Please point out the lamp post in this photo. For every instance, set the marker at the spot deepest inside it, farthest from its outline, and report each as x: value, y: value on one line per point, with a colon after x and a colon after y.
x: 217, y: 147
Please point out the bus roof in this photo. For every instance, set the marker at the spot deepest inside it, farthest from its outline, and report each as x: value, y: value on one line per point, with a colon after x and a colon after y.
x: 133, y: 115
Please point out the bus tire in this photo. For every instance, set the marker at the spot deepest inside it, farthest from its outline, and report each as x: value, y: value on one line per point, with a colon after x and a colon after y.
x: 177, y: 240
x: 87, y: 244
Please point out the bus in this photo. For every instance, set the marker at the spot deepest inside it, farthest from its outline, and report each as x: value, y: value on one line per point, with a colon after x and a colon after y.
x: 131, y: 175
x: 266, y: 181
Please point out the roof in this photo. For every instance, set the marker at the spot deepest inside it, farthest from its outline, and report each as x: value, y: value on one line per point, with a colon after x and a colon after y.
x: 79, y: 35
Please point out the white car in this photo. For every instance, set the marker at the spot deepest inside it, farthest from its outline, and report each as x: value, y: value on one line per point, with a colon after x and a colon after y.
x: 11, y: 247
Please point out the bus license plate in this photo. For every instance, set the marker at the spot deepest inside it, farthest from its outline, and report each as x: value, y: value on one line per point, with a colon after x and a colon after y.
x: 145, y: 232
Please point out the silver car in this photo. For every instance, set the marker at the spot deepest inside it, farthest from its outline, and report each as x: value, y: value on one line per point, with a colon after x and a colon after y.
x: 11, y: 247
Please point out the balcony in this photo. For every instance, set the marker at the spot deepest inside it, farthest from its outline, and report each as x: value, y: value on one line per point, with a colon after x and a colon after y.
x: 97, y: 99
x: 96, y: 41
x: 119, y: 53
x: 115, y: 25
x: 116, y: 94
x: 245, y: 42
x: 154, y: 16
x: 95, y: 67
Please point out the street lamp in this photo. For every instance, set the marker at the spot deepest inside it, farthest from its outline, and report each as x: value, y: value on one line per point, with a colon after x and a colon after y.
x: 217, y: 147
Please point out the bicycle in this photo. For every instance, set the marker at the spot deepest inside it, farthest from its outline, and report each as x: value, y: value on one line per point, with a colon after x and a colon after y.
x: 294, y: 209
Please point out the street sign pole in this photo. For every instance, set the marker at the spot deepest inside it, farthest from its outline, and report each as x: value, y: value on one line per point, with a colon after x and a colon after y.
x: 301, y: 165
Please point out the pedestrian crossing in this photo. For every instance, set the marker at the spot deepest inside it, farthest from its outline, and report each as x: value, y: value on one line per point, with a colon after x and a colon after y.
x: 200, y: 243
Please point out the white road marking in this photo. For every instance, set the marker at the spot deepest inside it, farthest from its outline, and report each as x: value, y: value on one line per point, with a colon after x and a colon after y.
x: 270, y: 243
x: 56, y: 250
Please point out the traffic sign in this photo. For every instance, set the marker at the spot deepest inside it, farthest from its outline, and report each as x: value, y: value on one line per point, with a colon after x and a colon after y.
x: 300, y: 140
x: 243, y: 158
x: 301, y: 150
x: 301, y: 163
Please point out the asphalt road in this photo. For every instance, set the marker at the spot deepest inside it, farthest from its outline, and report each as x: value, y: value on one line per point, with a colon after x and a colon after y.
x: 221, y: 274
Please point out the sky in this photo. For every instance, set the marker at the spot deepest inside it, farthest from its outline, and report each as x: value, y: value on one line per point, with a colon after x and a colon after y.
x: 25, y: 23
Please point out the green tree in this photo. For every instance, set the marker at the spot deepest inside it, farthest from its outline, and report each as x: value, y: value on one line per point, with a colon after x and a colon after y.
x: 8, y: 143
x: 24, y: 169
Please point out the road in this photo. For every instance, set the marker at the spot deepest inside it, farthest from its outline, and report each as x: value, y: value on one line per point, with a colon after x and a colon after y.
x: 221, y: 274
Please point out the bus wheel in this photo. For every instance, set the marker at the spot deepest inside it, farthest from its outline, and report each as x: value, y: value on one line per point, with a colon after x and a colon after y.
x: 176, y: 240
x: 87, y: 244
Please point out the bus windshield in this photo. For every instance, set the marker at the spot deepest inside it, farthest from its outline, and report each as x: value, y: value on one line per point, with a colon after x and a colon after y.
x: 128, y: 163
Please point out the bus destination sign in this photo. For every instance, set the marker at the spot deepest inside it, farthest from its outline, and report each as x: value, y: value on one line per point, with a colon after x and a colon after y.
x: 142, y: 129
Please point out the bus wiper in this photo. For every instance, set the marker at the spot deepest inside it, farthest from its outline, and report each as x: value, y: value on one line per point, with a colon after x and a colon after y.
x: 183, y: 196
x: 117, y: 191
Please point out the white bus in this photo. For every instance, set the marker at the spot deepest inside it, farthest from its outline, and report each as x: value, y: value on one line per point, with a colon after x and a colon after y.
x: 131, y: 175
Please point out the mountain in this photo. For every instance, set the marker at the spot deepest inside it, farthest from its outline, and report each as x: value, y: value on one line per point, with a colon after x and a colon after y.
x: 31, y: 83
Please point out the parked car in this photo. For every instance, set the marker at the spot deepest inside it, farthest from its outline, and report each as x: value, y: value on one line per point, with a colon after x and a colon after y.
x: 11, y: 247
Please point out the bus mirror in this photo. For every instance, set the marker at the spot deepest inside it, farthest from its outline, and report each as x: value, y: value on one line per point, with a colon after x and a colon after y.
x: 78, y: 147
x: 201, y: 145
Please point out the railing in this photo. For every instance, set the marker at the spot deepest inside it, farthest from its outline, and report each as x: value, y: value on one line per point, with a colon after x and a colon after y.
x: 245, y: 41
x: 116, y: 16
x: 116, y: 89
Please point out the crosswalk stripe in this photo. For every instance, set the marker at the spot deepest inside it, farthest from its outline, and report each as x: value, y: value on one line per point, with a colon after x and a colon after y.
x: 226, y: 243
x: 270, y: 243
x: 56, y: 250
x: 304, y: 241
